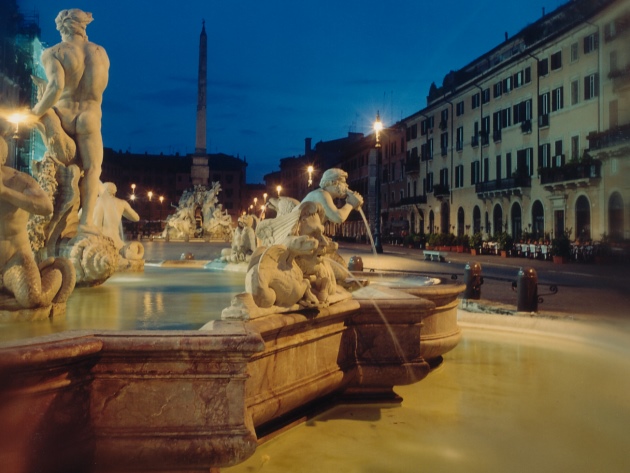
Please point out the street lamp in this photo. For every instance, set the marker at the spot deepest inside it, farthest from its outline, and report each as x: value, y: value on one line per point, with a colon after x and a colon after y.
x: 310, y: 175
x: 265, y: 197
x: 378, y: 126
x: 279, y: 188
x: 150, y: 195
x: 16, y: 118
x: 255, y: 201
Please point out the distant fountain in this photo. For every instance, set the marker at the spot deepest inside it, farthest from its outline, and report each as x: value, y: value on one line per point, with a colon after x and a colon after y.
x: 202, y: 202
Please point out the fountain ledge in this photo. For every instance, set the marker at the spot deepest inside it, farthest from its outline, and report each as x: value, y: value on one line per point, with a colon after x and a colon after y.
x: 194, y: 400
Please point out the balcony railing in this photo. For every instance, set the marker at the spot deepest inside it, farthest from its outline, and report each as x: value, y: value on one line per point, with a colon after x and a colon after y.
x: 571, y: 172
x: 418, y: 199
x: 606, y: 139
x: 496, y: 136
x: 526, y: 126
x: 440, y: 190
x: 474, y: 141
x: 503, y: 184
x: 412, y: 164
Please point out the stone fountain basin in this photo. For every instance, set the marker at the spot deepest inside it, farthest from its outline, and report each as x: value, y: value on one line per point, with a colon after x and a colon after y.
x: 189, y: 400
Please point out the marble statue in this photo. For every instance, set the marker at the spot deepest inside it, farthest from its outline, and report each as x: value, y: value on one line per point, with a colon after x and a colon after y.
x: 108, y: 216
x: 68, y: 116
x: 27, y: 290
x: 77, y: 73
x: 216, y: 223
x: 333, y: 186
x: 243, y: 241
x: 109, y: 212
x: 274, y: 278
x: 299, y: 265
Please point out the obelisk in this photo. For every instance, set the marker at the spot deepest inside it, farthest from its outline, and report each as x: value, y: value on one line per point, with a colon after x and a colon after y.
x: 200, y: 172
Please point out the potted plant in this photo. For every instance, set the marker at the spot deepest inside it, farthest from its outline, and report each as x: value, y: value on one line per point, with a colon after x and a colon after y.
x: 561, y: 248
x: 433, y: 241
x: 506, y: 243
x: 476, y: 240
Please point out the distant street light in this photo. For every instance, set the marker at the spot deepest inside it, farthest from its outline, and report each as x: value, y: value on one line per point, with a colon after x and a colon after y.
x: 378, y: 126
x: 150, y: 194
x: 279, y: 189
x: 16, y: 118
x: 265, y: 197
x: 310, y: 170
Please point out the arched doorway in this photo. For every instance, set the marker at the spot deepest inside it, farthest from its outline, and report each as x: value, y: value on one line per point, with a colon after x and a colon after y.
x: 488, y: 225
x: 538, y: 220
x: 582, y: 218
x: 517, y: 223
x: 476, y: 219
x: 460, y: 221
x: 497, y: 219
x: 421, y: 222
x: 615, y: 216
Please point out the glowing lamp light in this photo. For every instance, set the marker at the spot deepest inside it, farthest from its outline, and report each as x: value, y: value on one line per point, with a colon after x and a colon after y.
x: 310, y: 170
x: 265, y: 197
x: 378, y: 127
x: 150, y: 194
x: 279, y: 189
x: 161, y: 199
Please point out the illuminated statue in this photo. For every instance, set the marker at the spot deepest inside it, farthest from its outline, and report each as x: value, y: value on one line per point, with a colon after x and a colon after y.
x: 27, y: 290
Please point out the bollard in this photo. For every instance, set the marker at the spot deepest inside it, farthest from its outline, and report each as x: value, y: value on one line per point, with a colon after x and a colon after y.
x: 473, y: 280
x: 527, y: 290
x: 355, y: 263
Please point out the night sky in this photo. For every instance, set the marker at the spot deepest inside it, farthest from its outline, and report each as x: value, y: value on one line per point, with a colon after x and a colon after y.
x: 279, y: 71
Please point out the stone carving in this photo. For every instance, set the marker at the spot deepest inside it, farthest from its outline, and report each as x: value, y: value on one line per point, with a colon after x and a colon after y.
x: 27, y: 290
x: 333, y: 186
x: 70, y: 102
x: 243, y: 241
x: 275, y: 278
x: 68, y: 116
x: 216, y: 223
x: 108, y: 216
x: 299, y: 264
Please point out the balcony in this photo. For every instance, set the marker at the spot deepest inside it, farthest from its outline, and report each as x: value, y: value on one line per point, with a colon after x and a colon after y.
x: 581, y: 171
x: 441, y: 190
x: 474, y: 141
x: 443, y: 150
x: 609, y: 138
x: 526, y: 126
x: 507, y: 186
x: 412, y: 165
x: 485, y: 137
x: 496, y: 136
x: 620, y: 78
x: 418, y: 199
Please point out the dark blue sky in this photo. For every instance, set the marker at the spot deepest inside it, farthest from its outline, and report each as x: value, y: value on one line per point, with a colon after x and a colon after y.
x: 278, y: 70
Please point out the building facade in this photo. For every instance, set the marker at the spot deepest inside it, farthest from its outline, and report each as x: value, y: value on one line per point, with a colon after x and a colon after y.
x: 532, y: 138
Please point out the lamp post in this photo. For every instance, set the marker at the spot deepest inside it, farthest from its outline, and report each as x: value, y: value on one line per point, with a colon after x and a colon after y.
x: 132, y: 197
x: 16, y: 118
x: 161, y: 207
x: 310, y: 170
x: 378, y: 126
x: 279, y: 189
x: 265, y: 198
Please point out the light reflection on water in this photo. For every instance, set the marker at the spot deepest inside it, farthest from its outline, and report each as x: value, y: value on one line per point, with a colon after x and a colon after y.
x: 501, y: 402
x: 158, y: 299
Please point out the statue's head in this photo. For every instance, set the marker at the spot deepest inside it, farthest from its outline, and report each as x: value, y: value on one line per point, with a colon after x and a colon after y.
x: 334, y: 181
x: 73, y: 22
x: 4, y: 151
x: 110, y: 188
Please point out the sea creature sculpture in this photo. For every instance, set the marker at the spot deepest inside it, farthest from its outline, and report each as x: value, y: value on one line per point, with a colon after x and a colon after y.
x: 275, y: 278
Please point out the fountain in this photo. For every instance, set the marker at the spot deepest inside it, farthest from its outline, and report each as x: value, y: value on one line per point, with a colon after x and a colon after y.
x: 149, y: 389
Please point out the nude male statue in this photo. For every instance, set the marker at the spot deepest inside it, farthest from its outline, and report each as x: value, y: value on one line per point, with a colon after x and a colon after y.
x: 110, y: 210
x: 77, y: 72
x: 333, y: 186
x: 20, y: 196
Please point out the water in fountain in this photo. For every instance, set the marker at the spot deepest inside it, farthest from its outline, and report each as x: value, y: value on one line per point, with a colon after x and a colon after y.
x: 369, y: 232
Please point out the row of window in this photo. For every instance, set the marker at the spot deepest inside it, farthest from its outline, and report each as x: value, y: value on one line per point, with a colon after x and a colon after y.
x: 514, y: 81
